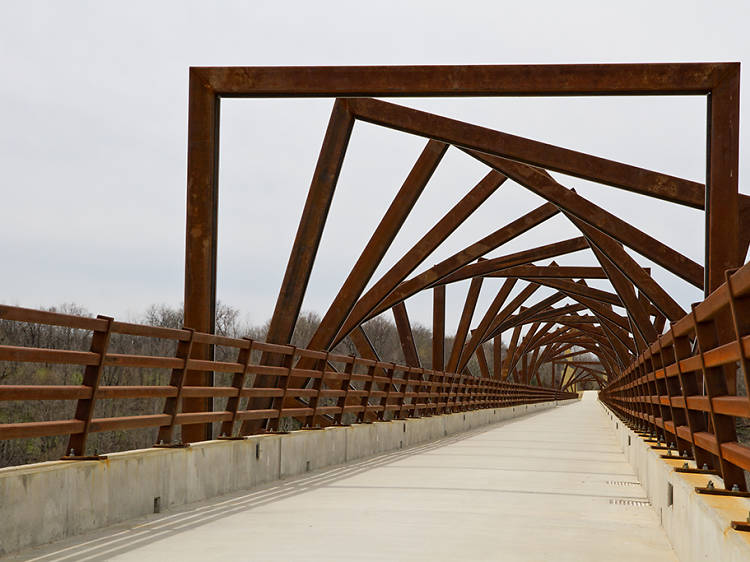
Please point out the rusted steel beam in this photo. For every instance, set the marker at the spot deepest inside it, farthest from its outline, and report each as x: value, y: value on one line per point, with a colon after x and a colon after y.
x: 378, y: 245
x: 92, y: 376
x: 511, y: 350
x: 469, y: 254
x: 438, y: 328
x: 491, y: 266
x: 511, y: 307
x: 571, y: 287
x: 405, y: 335
x: 466, y: 80
x: 478, y: 335
x: 543, y: 185
x: 306, y: 242
x: 552, y: 272
x: 312, y: 222
x: 722, y: 202
x: 201, y: 231
x: 417, y: 254
x: 630, y: 269
x: 497, y: 143
x: 626, y: 293
x: 482, y: 361
x: 464, y: 323
x: 497, y: 356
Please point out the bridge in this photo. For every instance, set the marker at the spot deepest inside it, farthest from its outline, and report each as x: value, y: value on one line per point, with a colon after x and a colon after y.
x: 482, y: 450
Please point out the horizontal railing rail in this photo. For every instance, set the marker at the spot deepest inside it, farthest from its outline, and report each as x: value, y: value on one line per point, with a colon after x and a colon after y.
x: 681, y: 388
x: 339, y: 385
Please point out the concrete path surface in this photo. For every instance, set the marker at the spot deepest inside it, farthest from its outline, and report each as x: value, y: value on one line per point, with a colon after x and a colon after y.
x: 548, y: 486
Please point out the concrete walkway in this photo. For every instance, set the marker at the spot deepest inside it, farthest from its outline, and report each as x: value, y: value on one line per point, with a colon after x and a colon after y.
x: 548, y: 486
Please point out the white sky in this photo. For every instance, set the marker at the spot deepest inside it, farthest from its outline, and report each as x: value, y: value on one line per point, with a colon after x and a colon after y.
x: 93, y: 105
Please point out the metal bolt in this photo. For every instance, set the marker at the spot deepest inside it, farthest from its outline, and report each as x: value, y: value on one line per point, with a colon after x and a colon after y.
x: 710, y: 485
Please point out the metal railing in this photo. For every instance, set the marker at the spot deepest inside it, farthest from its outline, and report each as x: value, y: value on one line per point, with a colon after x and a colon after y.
x: 682, y: 387
x: 324, y: 395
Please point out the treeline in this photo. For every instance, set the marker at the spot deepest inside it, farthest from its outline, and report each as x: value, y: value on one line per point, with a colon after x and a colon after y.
x: 381, y: 332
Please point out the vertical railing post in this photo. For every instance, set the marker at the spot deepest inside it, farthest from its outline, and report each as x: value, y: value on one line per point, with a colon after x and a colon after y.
x: 346, y: 386
x: 238, y: 382
x: 172, y: 404
x: 92, y: 376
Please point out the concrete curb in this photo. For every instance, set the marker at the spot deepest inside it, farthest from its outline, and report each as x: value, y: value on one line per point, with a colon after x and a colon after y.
x: 698, y: 526
x: 44, y: 502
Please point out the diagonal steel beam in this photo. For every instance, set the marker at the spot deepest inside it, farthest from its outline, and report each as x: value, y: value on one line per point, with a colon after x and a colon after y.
x: 543, y: 185
x: 419, y: 252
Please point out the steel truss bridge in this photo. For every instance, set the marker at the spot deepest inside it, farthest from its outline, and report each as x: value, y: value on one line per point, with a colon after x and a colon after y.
x: 677, y: 376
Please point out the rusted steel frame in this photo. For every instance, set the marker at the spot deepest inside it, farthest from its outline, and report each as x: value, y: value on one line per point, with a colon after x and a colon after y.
x: 744, y: 226
x: 405, y: 335
x: 542, y: 359
x: 739, y: 308
x: 565, y: 311
x: 467, y: 80
x: 552, y: 272
x: 419, y: 252
x: 528, y: 314
x: 659, y: 322
x: 511, y: 350
x: 616, y: 327
x: 568, y: 286
x: 177, y: 381
x: 318, y: 383
x: 464, y: 323
x: 278, y: 402
x: 390, y: 390
x: 469, y: 254
x: 482, y: 360
x: 478, y: 336
x: 306, y: 242
x: 549, y: 157
x: 627, y: 295
x: 715, y: 386
x: 438, y: 328
x: 201, y: 234
x: 369, y: 388
x: 505, y: 313
x: 722, y: 196
x: 672, y: 390
x: 495, y: 265
x: 92, y: 375
x: 546, y: 187
x: 497, y: 356
x: 347, y: 387
x: 653, y: 393
x: 572, y: 354
x: 631, y: 270
x: 377, y: 246
x: 532, y: 367
x: 523, y: 349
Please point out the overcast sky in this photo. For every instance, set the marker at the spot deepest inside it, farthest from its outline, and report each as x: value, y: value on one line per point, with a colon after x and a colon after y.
x: 93, y: 106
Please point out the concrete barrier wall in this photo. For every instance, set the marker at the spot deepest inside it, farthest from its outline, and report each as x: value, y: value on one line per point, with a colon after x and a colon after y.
x: 43, y: 502
x: 697, y: 525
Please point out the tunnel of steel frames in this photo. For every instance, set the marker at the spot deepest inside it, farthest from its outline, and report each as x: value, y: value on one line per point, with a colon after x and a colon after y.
x: 669, y: 372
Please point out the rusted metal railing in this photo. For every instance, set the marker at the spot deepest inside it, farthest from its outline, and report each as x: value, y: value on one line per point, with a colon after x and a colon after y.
x: 680, y: 388
x: 365, y: 388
